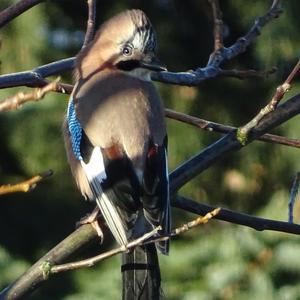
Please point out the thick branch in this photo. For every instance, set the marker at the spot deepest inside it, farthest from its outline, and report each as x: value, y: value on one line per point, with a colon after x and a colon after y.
x: 229, y: 143
x: 15, y: 10
x: 33, y: 277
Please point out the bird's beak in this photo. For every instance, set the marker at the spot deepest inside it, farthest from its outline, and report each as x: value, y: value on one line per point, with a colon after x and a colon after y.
x: 154, y: 65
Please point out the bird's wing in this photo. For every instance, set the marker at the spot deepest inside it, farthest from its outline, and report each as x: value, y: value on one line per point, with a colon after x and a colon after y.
x: 111, y: 178
x: 156, y: 200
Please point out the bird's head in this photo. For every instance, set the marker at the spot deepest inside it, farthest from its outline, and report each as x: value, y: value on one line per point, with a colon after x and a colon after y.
x: 126, y: 42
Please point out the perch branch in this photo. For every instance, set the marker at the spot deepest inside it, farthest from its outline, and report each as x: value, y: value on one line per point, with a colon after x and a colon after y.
x: 93, y: 260
x: 15, y: 10
x: 85, y: 234
x: 140, y: 241
x: 25, y: 186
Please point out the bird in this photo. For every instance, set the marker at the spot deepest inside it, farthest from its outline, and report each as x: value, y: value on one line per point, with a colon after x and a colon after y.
x: 116, y: 142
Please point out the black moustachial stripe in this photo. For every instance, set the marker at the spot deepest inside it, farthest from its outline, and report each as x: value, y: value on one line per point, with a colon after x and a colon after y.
x: 128, y: 65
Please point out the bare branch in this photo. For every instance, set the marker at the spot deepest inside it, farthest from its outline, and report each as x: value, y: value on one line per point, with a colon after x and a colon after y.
x: 218, y: 24
x: 34, y: 276
x: 138, y: 242
x: 25, y: 186
x: 217, y: 127
x: 90, y: 28
x: 200, y: 220
x: 229, y: 143
x: 16, y: 9
x: 234, y: 217
x: 85, y: 234
x: 293, y: 196
x: 35, y: 78
x: 212, y: 68
x: 271, y: 106
x: 20, y: 98
x: 93, y: 260
x: 242, y: 74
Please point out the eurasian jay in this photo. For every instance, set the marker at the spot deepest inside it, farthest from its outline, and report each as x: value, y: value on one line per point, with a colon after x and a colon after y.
x: 115, y: 133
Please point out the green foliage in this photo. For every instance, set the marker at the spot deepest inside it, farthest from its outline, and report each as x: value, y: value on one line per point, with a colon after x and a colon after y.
x: 215, y: 261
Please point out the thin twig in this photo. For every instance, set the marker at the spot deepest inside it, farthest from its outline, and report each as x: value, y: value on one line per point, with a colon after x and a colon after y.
x: 90, y: 28
x: 145, y: 239
x: 15, y: 10
x: 243, y: 74
x: 93, y: 260
x: 293, y: 196
x: 221, y: 128
x: 25, y: 186
x: 218, y: 24
x: 200, y: 220
x: 20, y: 98
x: 271, y: 106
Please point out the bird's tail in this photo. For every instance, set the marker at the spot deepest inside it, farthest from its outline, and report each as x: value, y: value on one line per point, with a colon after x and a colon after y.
x: 141, y: 274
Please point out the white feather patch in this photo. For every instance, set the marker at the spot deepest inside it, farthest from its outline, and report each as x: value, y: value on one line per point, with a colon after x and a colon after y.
x: 95, y: 173
x: 95, y: 168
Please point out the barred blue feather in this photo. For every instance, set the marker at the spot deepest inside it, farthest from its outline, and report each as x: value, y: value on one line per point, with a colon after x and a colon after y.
x: 74, y: 129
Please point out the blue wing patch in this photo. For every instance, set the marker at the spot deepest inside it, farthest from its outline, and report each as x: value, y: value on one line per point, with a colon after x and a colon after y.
x: 75, y: 129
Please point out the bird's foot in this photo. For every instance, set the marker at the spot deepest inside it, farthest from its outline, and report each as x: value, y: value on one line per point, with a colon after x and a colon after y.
x: 93, y: 219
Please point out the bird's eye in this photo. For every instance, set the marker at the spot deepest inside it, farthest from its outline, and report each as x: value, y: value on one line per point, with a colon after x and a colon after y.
x: 127, y: 50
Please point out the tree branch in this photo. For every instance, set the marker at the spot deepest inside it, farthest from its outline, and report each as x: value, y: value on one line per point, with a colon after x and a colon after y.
x: 293, y: 196
x: 218, y: 24
x: 234, y: 217
x: 212, y: 68
x: 221, y: 128
x: 145, y: 239
x: 24, y: 186
x: 35, y: 78
x: 90, y: 28
x: 242, y: 74
x: 16, y: 101
x: 271, y: 106
x: 15, y: 10
x: 77, y: 240
x: 195, y: 165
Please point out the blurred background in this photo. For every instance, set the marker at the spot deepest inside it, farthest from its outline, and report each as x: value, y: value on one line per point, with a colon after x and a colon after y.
x: 215, y: 261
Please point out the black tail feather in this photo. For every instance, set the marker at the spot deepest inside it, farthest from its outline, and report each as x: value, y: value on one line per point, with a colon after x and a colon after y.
x: 141, y: 274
